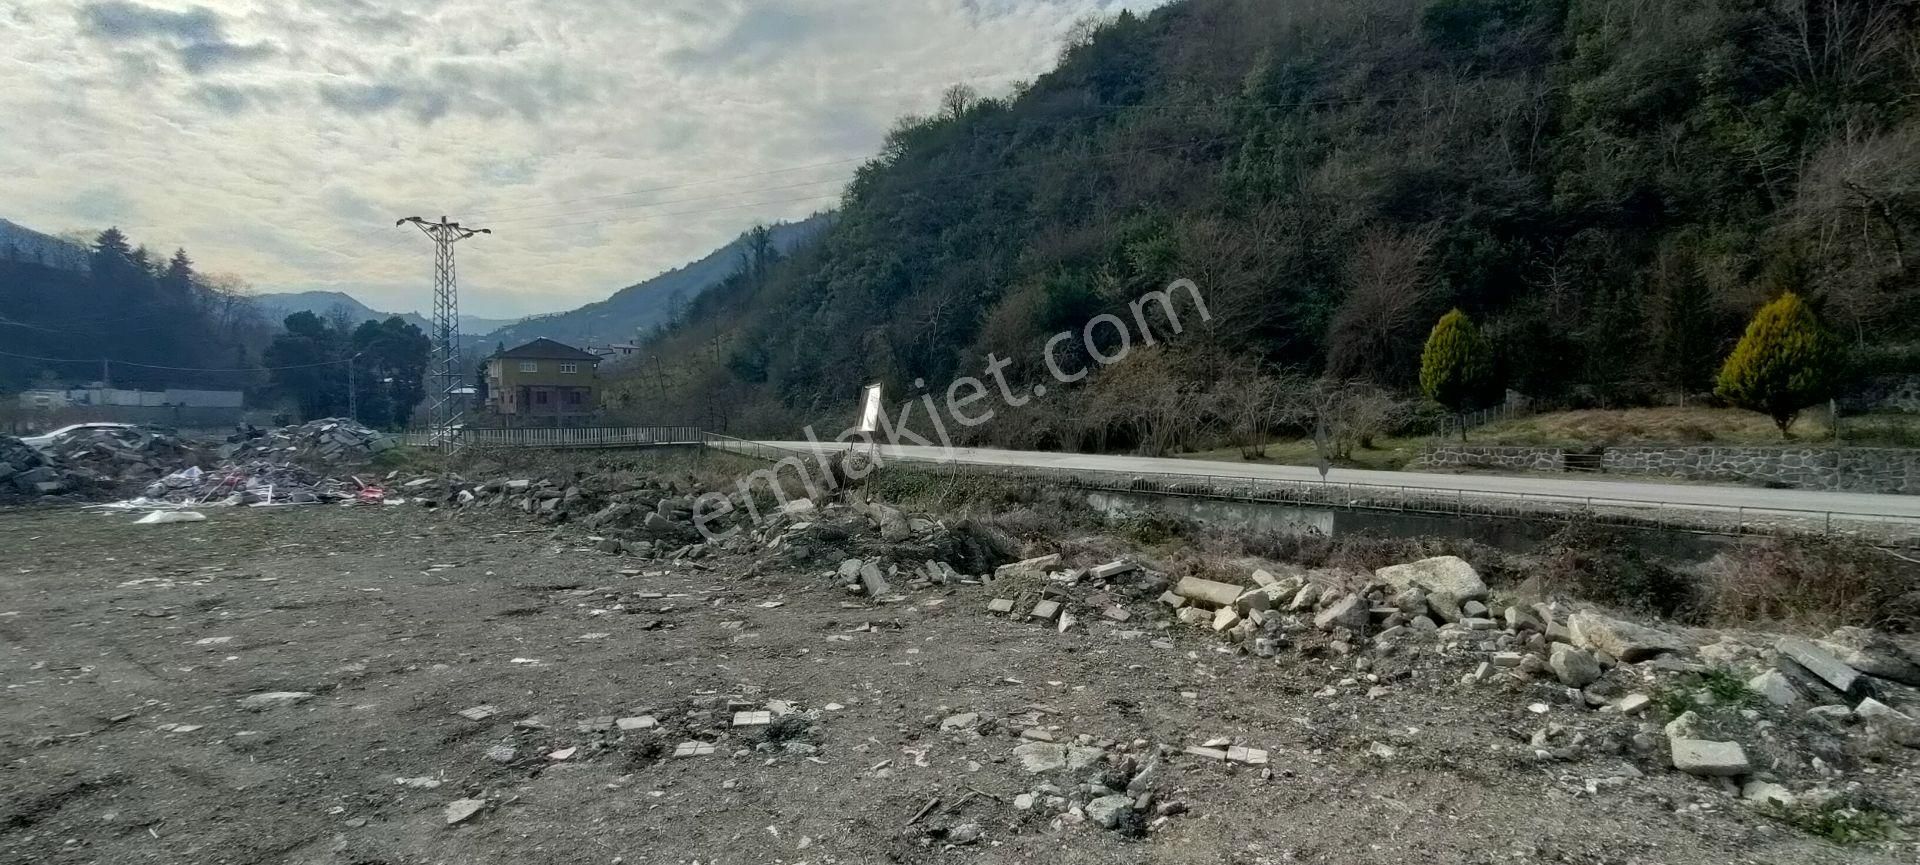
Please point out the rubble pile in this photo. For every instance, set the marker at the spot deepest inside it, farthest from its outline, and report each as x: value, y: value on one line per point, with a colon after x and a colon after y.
x: 1752, y: 714
x: 328, y: 441
x: 90, y: 461
x: 251, y: 483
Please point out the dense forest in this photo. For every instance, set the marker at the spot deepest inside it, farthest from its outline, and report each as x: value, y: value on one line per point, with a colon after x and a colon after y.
x: 157, y: 321
x: 1609, y: 188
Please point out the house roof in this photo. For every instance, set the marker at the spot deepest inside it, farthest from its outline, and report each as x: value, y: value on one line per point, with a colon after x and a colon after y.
x: 546, y: 349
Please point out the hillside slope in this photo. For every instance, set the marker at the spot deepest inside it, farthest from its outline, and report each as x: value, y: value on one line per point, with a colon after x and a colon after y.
x: 633, y: 311
x: 277, y: 306
x: 1610, y: 187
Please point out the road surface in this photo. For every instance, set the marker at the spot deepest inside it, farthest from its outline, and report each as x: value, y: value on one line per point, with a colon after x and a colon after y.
x: 1703, y: 497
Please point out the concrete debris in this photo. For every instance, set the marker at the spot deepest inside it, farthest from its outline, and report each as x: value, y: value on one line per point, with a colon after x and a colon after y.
x: 1574, y: 667
x: 460, y: 810
x: 1213, y: 593
x: 1107, y: 811
x: 1824, y: 667
x: 478, y: 713
x: 1037, y: 566
x: 693, y: 749
x: 1351, y: 612
x: 1625, y: 641
x: 752, y: 719
x: 1448, y: 575
x: 1112, y: 569
x: 1709, y: 759
x: 1872, y: 653
x: 1776, y: 688
x: 1767, y: 793
x: 273, y: 700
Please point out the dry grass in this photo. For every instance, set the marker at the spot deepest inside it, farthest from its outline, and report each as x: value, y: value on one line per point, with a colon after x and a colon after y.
x: 1672, y: 425
x: 1813, y: 584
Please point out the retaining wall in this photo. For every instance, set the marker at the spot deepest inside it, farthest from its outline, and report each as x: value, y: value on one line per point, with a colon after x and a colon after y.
x: 1457, y: 456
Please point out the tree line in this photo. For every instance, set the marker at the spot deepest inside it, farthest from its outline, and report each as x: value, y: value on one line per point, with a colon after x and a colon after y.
x: 1574, y: 176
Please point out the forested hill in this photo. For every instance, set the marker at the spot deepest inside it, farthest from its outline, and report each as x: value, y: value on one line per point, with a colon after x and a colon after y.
x: 1608, y: 187
x: 639, y: 308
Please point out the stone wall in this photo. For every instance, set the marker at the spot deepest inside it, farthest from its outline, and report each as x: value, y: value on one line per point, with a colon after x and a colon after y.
x: 1458, y: 456
x: 1858, y: 470
x: 1855, y: 470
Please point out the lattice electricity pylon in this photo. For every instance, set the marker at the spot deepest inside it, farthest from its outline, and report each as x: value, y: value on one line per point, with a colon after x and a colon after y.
x: 442, y: 413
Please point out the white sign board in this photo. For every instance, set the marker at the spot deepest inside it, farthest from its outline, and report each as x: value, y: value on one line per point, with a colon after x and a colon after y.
x: 870, y: 409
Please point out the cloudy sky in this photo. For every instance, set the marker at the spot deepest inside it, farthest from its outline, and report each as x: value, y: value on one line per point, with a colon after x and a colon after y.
x: 603, y: 140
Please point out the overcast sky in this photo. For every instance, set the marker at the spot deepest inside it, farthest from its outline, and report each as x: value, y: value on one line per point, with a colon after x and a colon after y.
x: 277, y: 140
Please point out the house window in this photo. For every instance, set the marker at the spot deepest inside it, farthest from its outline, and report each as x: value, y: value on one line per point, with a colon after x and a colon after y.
x: 540, y: 397
x: 573, y: 397
x: 569, y: 367
x: 529, y: 366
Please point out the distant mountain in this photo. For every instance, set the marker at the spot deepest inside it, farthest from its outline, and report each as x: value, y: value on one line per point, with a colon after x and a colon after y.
x: 322, y: 303
x: 22, y: 244
x: 633, y: 310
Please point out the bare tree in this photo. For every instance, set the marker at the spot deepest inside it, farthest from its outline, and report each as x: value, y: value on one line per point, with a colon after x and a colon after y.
x: 1387, y: 285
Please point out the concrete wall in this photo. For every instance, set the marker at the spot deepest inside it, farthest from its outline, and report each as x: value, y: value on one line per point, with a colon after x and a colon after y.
x: 1856, y: 470
x: 1458, y: 456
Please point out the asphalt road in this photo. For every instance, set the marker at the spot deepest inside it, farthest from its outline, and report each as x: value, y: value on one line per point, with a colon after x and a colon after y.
x: 1704, y: 497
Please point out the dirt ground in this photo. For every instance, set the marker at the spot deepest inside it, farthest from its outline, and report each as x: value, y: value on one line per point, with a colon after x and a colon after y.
x: 126, y: 649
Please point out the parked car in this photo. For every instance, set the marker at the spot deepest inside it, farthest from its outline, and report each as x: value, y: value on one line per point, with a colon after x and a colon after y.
x: 45, y: 440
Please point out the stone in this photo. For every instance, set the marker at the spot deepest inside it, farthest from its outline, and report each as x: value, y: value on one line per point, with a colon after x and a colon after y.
x: 1112, y: 569
x: 1709, y: 759
x: 1520, y: 618
x: 872, y: 581
x: 1036, y: 566
x: 960, y: 722
x: 1633, y: 704
x: 1172, y: 600
x: 1306, y: 598
x: 1263, y: 579
x: 1776, y: 688
x: 1444, y: 607
x: 1767, y: 793
x: 693, y: 749
x: 1023, y: 802
x: 1204, y: 751
x: 964, y: 834
x: 752, y: 719
x: 1506, y: 660
x: 1108, y: 811
x: 1350, y: 612
x: 1041, y: 757
x: 1825, y: 667
x: 1045, y: 610
x: 501, y: 754
x: 272, y: 700
x: 1443, y: 574
x: 460, y: 810
x: 478, y: 713
x: 1625, y: 641
x: 1215, y: 593
x: 1248, y: 756
x: 1871, y: 709
x: 1000, y: 605
x: 1225, y: 618
x: 1872, y: 653
x: 1572, y: 666
x: 1194, y: 616
x: 1474, y: 610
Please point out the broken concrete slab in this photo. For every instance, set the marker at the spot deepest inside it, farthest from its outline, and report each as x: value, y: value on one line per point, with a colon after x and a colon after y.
x: 1108, y: 811
x: 1623, y: 640
x: 872, y: 581
x: 1825, y: 667
x: 636, y: 722
x: 1214, y: 593
x: 1172, y: 600
x: 693, y: 749
x: 1036, y: 566
x: 478, y: 713
x: 1776, y: 688
x: 1709, y: 759
x: 752, y: 719
x: 1000, y: 605
x: 1443, y: 574
x: 1872, y: 653
x: 1045, y: 610
x: 1112, y: 569
x: 1351, y: 612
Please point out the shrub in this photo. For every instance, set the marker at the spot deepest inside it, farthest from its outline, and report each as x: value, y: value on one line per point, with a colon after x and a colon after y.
x: 1814, y: 583
x: 1786, y: 361
x: 1455, y: 370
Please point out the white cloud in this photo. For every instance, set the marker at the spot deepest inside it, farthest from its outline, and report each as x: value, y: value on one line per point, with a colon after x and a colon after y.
x: 279, y: 139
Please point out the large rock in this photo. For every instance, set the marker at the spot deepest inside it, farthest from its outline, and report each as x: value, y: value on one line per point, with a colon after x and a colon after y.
x: 1709, y: 759
x: 1108, y: 811
x: 1444, y: 574
x: 1623, y: 640
x: 1573, y: 666
x: 1872, y: 653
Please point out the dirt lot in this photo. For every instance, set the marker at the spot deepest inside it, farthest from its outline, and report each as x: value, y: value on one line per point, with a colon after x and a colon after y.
x: 128, y: 648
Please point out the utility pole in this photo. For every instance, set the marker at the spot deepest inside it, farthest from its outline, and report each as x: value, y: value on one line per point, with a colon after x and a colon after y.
x: 442, y: 413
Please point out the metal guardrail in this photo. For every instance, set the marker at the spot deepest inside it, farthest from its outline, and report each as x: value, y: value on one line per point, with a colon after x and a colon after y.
x: 559, y: 437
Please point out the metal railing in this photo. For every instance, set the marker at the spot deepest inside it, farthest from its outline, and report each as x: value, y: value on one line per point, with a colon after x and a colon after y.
x: 559, y: 437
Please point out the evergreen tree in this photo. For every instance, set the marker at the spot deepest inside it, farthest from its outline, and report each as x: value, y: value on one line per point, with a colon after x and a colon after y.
x: 1455, y: 368
x: 1786, y: 361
